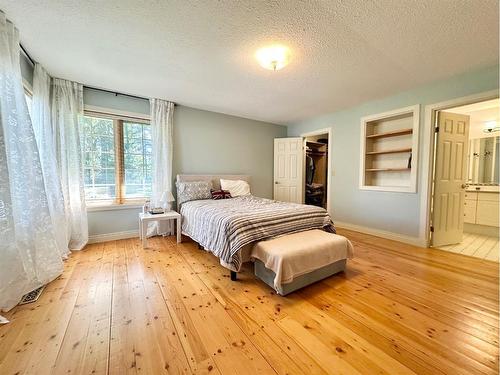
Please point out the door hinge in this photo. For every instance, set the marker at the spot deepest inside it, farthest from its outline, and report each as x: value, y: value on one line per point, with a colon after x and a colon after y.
x: 437, y: 129
x: 432, y: 229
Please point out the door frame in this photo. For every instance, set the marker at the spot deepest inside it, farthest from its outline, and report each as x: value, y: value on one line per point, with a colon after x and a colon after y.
x: 428, y: 152
x: 328, y: 131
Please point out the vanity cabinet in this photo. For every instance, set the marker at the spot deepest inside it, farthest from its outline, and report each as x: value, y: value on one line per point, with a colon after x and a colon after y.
x: 487, y: 209
x: 482, y: 208
x: 470, y: 208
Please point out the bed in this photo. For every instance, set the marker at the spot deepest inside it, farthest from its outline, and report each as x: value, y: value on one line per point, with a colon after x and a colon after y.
x: 229, y: 227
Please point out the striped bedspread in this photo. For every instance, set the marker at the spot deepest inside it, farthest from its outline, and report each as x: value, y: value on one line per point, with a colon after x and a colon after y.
x: 224, y: 226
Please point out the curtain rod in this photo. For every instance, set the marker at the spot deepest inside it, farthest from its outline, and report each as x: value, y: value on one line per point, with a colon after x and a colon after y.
x: 88, y: 87
x: 27, y: 54
x: 115, y: 93
x: 118, y: 93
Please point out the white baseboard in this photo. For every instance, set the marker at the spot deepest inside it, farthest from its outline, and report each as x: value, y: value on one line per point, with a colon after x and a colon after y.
x: 484, y: 230
x: 113, y: 236
x: 382, y: 233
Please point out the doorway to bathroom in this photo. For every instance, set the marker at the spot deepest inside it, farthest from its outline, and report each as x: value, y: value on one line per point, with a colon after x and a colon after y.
x: 465, y: 192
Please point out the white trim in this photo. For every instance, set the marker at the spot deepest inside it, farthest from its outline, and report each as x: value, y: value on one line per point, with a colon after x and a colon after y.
x: 112, y: 207
x: 415, y: 111
x: 113, y: 236
x: 381, y: 233
x: 328, y: 131
x: 116, y: 112
x: 428, y: 154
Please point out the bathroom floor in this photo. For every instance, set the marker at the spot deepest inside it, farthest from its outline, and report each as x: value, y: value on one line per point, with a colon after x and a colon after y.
x: 476, y: 245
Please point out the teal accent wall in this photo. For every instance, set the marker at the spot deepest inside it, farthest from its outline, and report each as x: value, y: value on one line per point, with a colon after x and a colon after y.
x: 387, y: 211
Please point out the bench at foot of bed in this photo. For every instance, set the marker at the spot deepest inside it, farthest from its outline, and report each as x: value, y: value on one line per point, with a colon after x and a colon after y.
x: 297, y: 260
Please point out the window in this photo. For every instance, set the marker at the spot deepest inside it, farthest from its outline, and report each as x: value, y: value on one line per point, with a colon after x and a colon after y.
x: 137, y: 159
x: 117, y: 158
x: 99, y: 158
x: 29, y: 99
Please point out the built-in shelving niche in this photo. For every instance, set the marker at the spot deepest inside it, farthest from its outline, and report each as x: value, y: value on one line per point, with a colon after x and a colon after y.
x: 389, y: 150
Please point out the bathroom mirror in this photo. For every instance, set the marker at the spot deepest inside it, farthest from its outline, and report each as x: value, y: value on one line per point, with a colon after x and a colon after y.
x: 484, y: 156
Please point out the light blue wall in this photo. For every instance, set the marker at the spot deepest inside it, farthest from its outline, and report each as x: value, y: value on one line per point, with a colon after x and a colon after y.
x: 208, y: 142
x: 117, y: 102
x: 388, y: 211
x: 204, y: 142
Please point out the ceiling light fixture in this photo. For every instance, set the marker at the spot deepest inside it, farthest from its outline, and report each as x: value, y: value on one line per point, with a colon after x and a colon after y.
x: 274, y: 57
x: 491, y: 127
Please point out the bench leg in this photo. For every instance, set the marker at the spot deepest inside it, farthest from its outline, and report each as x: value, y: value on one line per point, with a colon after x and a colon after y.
x: 233, y: 276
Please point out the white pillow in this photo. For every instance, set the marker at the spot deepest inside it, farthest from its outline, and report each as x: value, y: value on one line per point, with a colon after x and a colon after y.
x: 235, y: 187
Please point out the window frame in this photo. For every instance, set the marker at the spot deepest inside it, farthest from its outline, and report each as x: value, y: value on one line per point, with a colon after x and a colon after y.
x: 119, y: 201
x: 28, y: 92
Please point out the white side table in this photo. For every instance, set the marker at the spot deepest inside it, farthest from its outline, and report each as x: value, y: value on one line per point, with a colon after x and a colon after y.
x: 144, y: 219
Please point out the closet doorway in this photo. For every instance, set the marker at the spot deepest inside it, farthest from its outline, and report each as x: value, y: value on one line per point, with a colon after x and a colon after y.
x: 317, y: 156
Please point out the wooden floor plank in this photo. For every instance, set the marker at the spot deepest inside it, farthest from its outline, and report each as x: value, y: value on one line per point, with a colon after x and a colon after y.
x: 172, y: 309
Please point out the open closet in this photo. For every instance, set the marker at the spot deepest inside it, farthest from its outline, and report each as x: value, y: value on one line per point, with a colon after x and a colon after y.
x: 316, y: 170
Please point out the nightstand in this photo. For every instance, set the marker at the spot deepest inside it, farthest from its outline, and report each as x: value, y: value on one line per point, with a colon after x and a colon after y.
x: 146, y: 218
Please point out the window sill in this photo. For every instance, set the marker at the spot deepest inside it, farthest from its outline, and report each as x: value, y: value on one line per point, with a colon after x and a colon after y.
x: 113, y: 206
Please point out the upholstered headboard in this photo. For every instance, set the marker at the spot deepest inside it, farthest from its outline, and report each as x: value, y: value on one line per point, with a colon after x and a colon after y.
x: 215, y: 178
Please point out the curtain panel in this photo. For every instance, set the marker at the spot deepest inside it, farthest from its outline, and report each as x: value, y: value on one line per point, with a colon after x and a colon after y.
x: 162, y: 128
x: 27, y: 244
x: 42, y: 124
x: 67, y: 111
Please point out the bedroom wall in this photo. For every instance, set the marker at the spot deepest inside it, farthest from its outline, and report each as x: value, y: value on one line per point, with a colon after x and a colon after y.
x: 396, y: 213
x: 204, y: 142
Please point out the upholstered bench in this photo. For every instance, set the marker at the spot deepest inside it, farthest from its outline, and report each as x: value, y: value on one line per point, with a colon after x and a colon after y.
x: 293, y: 261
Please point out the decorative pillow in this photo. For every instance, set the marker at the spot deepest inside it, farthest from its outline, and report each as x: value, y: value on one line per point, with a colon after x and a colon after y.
x: 220, y: 194
x: 193, y: 191
x: 235, y: 187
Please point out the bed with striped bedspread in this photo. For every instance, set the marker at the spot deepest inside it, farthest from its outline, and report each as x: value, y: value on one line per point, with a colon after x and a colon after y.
x: 224, y: 226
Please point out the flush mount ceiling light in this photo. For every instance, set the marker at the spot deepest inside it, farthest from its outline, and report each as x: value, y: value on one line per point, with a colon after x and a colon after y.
x: 491, y: 127
x: 274, y: 57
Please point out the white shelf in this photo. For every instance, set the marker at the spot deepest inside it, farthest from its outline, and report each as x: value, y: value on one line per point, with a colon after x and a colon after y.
x: 394, y: 151
x: 387, y: 169
x: 388, y: 153
x: 394, y: 133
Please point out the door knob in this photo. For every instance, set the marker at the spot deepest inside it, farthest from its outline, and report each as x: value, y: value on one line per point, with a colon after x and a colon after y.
x: 276, y: 182
x: 464, y: 186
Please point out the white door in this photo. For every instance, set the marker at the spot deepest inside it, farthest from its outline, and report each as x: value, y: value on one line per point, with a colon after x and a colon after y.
x: 288, y: 169
x: 450, y: 178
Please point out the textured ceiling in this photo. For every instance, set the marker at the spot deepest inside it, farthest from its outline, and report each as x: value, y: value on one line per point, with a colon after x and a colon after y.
x: 201, y: 53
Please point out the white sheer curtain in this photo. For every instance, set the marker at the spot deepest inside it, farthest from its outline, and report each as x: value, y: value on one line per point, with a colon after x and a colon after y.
x: 27, y: 241
x: 67, y: 109
x: 42, y: 124
x: 162, y: 125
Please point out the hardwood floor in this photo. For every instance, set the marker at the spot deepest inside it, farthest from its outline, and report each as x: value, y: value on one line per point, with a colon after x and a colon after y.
x: 120, y: 309
x: 476, y: 245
